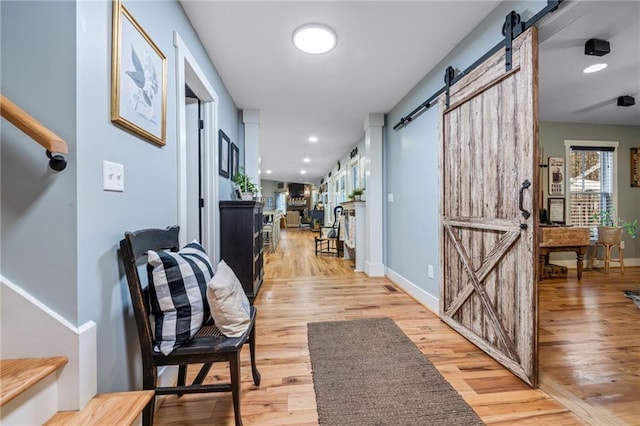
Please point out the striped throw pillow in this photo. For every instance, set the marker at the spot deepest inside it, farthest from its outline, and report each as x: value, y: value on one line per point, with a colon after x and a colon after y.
x: 177, y: 294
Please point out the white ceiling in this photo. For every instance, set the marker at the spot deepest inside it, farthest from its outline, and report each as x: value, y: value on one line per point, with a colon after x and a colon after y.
x: 384, y: 49
x: 569, y: 95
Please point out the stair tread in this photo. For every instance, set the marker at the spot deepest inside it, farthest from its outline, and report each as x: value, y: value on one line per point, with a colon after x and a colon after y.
x: 18, y: 375
x: 120, y: 408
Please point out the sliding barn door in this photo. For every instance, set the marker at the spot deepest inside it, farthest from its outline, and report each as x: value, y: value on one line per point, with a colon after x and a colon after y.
x: 489, y: 208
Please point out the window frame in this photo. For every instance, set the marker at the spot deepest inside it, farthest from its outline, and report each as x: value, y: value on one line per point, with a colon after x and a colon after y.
x: 568, y: 143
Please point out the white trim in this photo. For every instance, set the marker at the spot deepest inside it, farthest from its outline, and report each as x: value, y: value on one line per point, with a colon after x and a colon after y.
x: 425, y: 298
x: 31, y: 329
x: 189, y: 72
x: 374, y: 269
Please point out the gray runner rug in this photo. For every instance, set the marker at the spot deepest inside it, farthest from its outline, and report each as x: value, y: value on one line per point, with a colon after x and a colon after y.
x: 633, y: 295
x: 368, y: 372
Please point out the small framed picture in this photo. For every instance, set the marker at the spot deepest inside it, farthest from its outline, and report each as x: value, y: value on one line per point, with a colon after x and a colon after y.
x: 556, y: 176
x: 635, y: 167
x: 235, y: 160
x: 223, y: 154
x: 236, y: 193
x: 556, y: 210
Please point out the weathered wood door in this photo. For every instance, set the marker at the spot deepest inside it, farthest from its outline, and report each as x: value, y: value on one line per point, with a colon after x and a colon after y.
x: 489, y: 143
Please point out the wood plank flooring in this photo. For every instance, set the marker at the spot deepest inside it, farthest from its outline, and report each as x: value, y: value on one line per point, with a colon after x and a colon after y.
x: 300, y: 288
x: 589, y: 345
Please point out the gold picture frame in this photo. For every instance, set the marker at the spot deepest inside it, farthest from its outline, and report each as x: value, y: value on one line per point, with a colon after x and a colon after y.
x: 138, y: 79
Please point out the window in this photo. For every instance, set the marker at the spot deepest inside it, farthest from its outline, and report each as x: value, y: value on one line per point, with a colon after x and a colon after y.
x: 355, y: 174
x: 281, y: 201
x: 340, y: 185
x: 592, y: 179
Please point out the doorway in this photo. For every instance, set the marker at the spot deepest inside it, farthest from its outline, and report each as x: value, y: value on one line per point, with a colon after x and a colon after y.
x: 197, y: 210
x: 195, y: 197
x: 583, y: 334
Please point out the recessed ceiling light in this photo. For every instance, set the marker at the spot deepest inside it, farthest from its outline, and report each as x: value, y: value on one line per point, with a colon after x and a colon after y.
x: 314, y: 38
x: 594, y: 68
x: 303, y: 172
x: 306, y: 159
x: 268, y: 172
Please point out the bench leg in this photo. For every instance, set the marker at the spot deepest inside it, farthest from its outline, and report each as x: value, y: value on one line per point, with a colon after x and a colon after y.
x: 252, y: 351
x: 234, y: 369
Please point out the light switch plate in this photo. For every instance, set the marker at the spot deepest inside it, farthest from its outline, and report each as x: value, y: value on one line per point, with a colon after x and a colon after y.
x: 389, y: 198
x: 112, y: 176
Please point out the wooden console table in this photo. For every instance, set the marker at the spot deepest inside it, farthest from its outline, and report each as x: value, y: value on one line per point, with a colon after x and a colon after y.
x: 563, y: 238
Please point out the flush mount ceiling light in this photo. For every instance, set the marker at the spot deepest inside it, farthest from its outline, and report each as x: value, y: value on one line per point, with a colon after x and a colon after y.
x: 313, y: 139
x: 306, y: 159
x: 314, y: 38
x: 594, y: 68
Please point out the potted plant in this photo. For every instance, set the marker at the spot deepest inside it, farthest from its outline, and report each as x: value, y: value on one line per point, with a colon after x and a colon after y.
x: 610, y: 226
x: 357, y: 194
x: 247, y: 187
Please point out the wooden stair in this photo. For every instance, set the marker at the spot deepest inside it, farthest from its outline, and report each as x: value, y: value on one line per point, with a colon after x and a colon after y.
x: 121, y: 408
x: 19, y: 375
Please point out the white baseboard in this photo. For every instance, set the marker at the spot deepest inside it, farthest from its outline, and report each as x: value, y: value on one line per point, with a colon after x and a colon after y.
x: 425, y: 298
x: 31, y: 330
x: 374, y: 269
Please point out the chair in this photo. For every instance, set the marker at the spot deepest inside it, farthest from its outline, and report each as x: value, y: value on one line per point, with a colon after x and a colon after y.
x: 293, y: 219
x: 329, y: 242
x: 209, y: 345
x: 268, y: 236
x: 609, y: 239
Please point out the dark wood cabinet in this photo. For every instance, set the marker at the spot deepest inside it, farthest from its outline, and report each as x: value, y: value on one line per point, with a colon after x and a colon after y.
x: 241, y: 242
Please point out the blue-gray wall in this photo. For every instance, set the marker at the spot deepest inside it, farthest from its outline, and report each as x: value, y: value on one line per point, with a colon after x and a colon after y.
x: 60, y: 232
x: 411, y: 159
x: 552, y: 137
x: 39, y: 207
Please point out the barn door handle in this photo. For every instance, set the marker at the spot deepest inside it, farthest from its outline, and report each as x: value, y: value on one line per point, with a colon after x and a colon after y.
x: 525, y: 185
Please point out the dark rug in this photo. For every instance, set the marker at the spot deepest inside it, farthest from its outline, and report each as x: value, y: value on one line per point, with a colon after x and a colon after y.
x: 633, y: 295
x: 368, y: 372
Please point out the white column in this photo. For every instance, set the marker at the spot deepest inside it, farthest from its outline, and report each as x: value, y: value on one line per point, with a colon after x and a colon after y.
x: 251, y: 120
x: 373, y: 266
x: 361, y: 226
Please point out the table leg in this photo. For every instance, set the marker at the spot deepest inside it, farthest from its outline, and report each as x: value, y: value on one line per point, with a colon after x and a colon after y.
x: 580, y: 256
x: 541, y: 266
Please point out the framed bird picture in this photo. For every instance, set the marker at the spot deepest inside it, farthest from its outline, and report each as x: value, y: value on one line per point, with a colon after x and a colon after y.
x: 138, y: 79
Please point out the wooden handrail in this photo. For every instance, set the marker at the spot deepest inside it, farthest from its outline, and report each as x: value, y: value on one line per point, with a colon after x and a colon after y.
x: 32, y: 127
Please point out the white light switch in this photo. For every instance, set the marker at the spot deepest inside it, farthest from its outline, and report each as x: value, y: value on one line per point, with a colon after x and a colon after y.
x: 390, y: 198
x: 112, y: 176
x: 430, y: 271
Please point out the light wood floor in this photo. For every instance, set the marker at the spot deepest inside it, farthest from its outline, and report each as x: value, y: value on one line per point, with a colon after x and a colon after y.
x: 300, y: 288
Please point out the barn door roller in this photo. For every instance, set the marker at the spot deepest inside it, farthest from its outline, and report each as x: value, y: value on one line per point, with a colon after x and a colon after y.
x: 511, y: 29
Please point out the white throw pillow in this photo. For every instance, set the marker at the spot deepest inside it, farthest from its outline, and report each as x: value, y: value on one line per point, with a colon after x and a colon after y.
x: 229, y: 305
